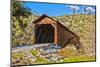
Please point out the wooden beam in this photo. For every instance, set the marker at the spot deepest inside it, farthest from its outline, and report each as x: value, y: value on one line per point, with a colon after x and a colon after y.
x: 55, y: 34
x: 53, y: 25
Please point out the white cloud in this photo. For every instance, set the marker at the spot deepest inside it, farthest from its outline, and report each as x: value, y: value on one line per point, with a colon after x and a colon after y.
x: 74, y: 7
x: 90, y: 9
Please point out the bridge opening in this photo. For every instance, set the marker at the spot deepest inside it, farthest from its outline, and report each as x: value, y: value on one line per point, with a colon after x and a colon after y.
x: 44, y: 33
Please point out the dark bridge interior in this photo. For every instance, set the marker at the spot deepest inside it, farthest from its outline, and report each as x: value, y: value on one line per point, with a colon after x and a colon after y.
x: 44, y: 33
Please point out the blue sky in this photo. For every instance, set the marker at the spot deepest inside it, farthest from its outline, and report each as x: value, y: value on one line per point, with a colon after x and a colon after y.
x: 52, y: 9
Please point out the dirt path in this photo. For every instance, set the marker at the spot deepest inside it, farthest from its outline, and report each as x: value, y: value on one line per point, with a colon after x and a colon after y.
x: 29, y: 47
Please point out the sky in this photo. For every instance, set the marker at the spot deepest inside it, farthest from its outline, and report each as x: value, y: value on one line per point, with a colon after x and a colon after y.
x: 52, y: 9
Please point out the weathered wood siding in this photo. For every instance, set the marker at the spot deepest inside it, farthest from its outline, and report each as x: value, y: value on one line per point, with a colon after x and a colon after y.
x: 64, y: 34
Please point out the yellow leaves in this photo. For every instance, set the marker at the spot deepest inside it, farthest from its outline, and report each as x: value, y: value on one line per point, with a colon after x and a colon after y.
x: 67, y: 52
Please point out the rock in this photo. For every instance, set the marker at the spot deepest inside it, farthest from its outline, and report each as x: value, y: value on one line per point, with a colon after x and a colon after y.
x: 13, y: 61
x: 50, y: 54
x: 17, y: 60
x: 33, y: 60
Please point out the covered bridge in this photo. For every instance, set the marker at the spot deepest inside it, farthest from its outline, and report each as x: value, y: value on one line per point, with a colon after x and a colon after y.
x: 47, y: 30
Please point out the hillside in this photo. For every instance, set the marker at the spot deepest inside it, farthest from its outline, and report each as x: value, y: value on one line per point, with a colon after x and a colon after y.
x: 82, y: 25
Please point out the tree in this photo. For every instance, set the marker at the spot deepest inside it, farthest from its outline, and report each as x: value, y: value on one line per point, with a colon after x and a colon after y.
x: 19, y: 10
x: 74, y: 8
x: 20, y: 21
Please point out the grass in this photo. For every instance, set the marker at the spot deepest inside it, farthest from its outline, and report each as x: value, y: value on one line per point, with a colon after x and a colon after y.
x: 34, y: 52
x: 18, y: 55
x: 66, y: 59
x: 79, y: 59
x: 41, y: 60
x: 75, y: 56
x: 67, y: 52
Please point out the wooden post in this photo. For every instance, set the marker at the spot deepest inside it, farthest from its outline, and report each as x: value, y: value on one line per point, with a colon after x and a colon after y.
x: 55, y: 33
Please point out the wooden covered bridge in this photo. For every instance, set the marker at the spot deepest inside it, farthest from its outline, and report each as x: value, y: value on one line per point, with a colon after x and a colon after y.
x: 47, y: 30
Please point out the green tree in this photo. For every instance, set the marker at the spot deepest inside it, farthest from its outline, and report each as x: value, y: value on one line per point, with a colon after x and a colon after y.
x: 20, y: 20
